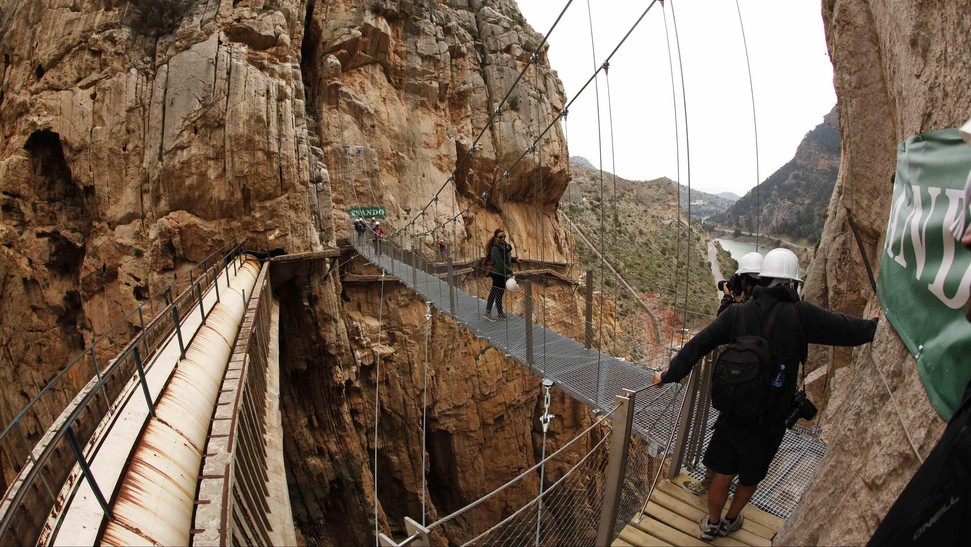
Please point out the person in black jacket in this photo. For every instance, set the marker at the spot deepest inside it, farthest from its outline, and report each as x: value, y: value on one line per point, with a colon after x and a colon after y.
x: 500, y: 254
x: 746, y: 447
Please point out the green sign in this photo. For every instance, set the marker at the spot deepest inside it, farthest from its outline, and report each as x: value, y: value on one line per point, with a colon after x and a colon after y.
x: 925, y: 274
x: 368, y: 212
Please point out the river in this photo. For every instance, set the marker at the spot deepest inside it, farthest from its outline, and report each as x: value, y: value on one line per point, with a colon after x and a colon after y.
x: 737, y: 249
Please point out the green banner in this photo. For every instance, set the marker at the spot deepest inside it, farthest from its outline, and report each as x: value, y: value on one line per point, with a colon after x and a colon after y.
x: 368, y: 212
x: 925, y: 274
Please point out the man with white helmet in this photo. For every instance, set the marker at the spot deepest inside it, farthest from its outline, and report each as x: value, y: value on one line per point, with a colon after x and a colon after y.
x: 745, y: 446
x: 739, y: 288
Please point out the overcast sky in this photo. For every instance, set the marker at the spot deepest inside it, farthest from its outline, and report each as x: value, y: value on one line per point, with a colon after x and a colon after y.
x: 791, y: 74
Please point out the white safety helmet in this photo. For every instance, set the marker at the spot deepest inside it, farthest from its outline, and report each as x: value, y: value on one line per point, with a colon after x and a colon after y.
x: 750, y: 264
x: 511, y: 284
x: 781, y: 264
x: 377, y: 222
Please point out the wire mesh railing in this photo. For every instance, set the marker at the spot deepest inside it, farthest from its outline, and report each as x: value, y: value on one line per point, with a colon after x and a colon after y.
x: 41, y: 447
x: 593, y: 378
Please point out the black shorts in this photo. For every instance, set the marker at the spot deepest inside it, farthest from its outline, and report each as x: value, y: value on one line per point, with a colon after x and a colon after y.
x: 742, y: 449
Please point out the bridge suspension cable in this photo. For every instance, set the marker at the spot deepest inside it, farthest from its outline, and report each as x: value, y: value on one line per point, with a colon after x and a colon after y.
x: 559, y: 115
x: 755, y: 128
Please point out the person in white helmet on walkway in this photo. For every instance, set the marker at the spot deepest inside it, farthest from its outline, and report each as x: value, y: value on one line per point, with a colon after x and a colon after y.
x: 744, y: 445
x: 739, y: 288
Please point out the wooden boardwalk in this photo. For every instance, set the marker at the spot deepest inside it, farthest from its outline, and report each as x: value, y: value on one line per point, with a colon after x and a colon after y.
x: 672, y: 518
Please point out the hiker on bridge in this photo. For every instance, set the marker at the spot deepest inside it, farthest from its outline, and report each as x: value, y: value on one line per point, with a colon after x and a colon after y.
x: 739, y: 288
x: 749, y: 428
x: 499, y: 253
x: 360, y: 228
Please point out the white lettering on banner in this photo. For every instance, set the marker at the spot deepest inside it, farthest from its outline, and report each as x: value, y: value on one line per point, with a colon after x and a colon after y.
x: 960, y: 298
x: 914, y: 225
x: 920, y: 238
x: 892, y: 229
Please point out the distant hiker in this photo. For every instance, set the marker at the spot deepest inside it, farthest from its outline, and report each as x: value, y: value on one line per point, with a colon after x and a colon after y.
x: 377, y: 232
x: 442, y: 250
x: 500, y: 253
x: 360, y: 228
x: 739, y: 288
x: 745, y: 442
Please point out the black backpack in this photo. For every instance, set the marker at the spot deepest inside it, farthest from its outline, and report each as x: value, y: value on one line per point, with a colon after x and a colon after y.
x: 743, y: 371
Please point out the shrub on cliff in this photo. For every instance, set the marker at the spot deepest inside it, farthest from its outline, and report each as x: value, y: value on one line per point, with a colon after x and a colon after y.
x: 159, y: 17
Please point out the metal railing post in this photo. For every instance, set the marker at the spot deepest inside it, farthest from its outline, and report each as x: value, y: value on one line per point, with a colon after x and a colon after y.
x: 528, y: 316
x: 588, y: 334
x: 202, y: 309
x: 144, y: 382
x: 616, y: 466
x: 451, y: 285
x: 687, y: 406
x: 414, y: 268
x: 97, y: 371
x: 178, y: 330
x: 86, y: 471
x: 698, y: 425
x: 30, y: 456
x: 215, y: 279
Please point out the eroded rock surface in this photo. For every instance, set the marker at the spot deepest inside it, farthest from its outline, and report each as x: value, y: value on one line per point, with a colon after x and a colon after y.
x: 901, y: 68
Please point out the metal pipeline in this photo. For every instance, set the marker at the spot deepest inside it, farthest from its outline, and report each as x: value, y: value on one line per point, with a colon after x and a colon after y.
x: 155, y: 501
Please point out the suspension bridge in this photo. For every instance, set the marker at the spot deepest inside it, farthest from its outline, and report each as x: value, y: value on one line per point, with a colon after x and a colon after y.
x: 175, y: 438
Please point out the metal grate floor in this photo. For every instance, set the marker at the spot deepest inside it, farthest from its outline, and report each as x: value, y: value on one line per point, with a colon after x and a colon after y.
x: 594, y: 379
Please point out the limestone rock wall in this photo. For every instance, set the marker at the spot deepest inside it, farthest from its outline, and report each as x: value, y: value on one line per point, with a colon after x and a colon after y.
x: 901, y: 67
x: 125, y: 159
x: 132, y: 150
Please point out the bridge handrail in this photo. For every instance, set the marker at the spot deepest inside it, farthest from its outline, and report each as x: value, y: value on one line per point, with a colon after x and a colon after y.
x: 103, y: 336
x: 38, y: 457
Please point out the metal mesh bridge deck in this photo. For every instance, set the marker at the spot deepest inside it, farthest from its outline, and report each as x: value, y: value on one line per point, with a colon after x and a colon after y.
x: 594, y: 379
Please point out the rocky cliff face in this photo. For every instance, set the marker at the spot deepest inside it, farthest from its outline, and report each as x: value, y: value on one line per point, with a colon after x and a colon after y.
x: 140, y: 136
x: 901, y: 68
x: 792, y: 200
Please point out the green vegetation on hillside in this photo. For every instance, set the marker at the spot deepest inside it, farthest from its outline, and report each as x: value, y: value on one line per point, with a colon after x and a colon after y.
x: 639, y: 231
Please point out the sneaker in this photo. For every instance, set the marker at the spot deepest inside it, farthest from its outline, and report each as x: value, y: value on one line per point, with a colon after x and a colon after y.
x: 709, y: 531
x: 488, y: 316
x: 729, y: 526
x: 698, y: 488
x: 503, y: 316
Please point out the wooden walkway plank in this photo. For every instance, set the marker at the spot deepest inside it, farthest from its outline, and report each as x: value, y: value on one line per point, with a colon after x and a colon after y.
x: 751, y: 533
x: 751, y: 513
x: 687, y: 526
x: 656, y: 528
x: 635, y: 536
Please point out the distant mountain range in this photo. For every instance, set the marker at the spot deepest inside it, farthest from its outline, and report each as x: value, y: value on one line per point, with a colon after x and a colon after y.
x: 793, y: 199
x: 703, y: 204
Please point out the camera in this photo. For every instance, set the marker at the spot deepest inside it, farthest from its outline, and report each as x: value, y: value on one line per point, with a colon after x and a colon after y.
x: 802, y: 408
x: 733, y: 285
